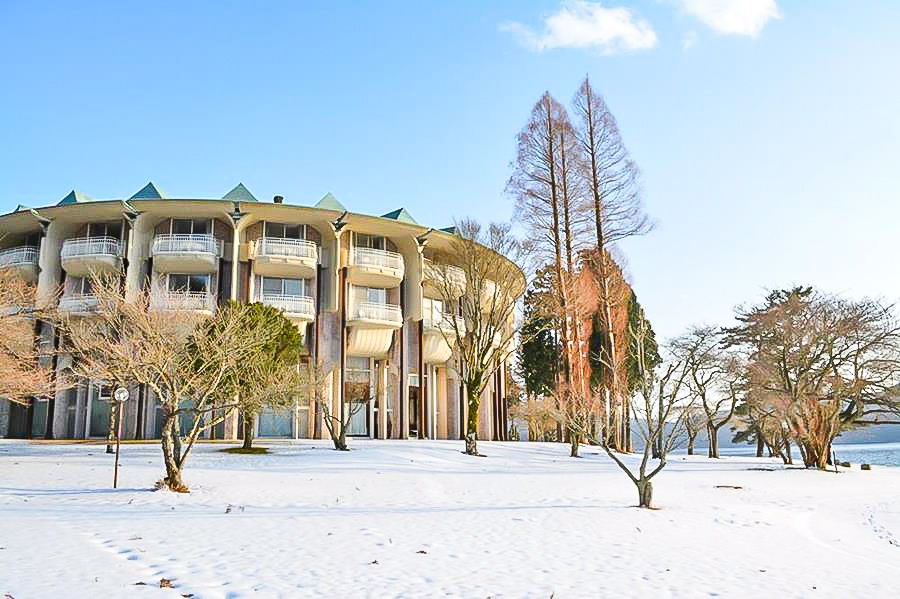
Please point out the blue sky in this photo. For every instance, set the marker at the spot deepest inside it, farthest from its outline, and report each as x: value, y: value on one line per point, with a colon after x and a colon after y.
x: 768, y: 132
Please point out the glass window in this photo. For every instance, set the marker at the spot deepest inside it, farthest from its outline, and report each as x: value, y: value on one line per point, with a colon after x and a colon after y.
x: 198, y: 284
x: 278, y: 286
x: 374, y: 294
x: 178, y: 282
x: 284, y: 231
x: 294, y: 287
x: 370, y: 241
x: 274, y: 230
x: 182, y: 226
x: 192, y: 283
x: 272, y: 286
x: 187, y: 226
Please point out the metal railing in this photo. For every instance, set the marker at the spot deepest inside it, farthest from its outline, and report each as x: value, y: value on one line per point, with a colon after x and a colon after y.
x: 373, y: 257
x: 91, y: 246
x: 444, y: 322
x: 19, y: 256
x: 183, y: 300
x: 289, y: 248
x: 378, y: 311
x: 293, y: 304
x: 78, y: 303
x: 186, y: 244
x: 436, y: 272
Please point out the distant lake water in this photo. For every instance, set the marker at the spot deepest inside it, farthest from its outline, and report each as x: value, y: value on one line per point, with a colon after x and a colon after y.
x: 884, y: 454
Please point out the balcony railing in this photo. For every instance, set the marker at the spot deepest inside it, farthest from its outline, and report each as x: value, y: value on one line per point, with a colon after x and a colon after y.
x: 91, y: 246
x: 293, y: 304
x: 441, y: 322
x: 21, y: 256
x: 380, y: 258
x: 186, y: 244
x: 378, y: 311
x: 78, y: 303
x: 285, y: 248
x: 436, y: 272
x: 183, y: 300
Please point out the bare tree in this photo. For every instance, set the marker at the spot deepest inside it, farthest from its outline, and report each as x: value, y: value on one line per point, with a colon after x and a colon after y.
x: 23, y: 372
x: 822, y: 364
x: 714, y: 378
x: 694, y: 422
x: 660, y: 420
x: 549, y: 198
x: 485, y: 298
x: 611, y: 179
x: 337, y: 420
x: 135, y: 342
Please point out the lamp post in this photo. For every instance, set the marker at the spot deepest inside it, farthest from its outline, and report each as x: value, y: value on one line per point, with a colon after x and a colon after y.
x: 121, y: 396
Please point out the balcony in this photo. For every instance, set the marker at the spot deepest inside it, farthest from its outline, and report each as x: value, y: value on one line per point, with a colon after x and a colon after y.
x: 372, y: 327
x: 188, y: 254
x: 191, y: 301
x: 439, y: 336
x: 437, y: 278
x: 277, y: 257
x: 297, y: 308
x: 78, y: 304
x: 375, y: 268
x: 23, y: 259
x: 83, y: 256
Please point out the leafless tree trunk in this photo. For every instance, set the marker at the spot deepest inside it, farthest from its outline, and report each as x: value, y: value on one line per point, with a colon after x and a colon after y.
x: 611, y: 179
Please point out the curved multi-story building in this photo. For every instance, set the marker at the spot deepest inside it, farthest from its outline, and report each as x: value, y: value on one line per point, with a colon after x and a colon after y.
x: 358, y: 286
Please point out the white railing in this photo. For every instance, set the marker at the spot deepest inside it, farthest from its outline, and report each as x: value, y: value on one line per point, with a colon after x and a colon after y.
x: 183, y: 300
x: 78, y: 303
x: 436, y: 272
x: 19, y: 256
x: 186, y: 244
x: 91, y: 246
x: 373, y: 257
x: 378, y: 311
x: 293, y: 304
x: 444, y: 321
x: 286, y: 248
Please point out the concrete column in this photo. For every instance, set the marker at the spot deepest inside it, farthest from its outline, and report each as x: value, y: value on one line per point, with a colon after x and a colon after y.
x: 138, y: 252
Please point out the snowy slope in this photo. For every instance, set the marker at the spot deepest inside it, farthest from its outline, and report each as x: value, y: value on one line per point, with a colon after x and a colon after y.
x: 419, y: 519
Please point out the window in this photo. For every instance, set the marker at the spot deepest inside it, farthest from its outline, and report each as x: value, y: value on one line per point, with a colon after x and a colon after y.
x: 358, y: 390
x: 364, y: 240
x: 278, y: 286
x: 433, y: 309
x: 190, y: 226
x: 285, y: 231
x: 374, y: 294
x: 189, y: 283
x: 104, y: 230
x: 81, y: 286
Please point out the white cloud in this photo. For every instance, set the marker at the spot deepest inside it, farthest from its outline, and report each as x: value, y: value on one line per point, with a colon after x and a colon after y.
x: 737, y: 17
x: 582, y: 24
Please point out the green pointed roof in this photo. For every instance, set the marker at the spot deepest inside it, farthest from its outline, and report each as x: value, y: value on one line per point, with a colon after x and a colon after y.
x: 400, y: 215
x: 74, y: 197
x: 451, y: 230
x: 149, y: 192
x: 22, y: 208
x: 240, y: 194
x: 329, y: 202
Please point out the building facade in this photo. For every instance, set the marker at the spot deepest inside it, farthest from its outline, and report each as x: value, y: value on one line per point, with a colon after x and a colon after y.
x: 357, y: 286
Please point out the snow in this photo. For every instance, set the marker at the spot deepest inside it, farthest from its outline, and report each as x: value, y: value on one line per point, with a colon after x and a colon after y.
x: 420, y: 519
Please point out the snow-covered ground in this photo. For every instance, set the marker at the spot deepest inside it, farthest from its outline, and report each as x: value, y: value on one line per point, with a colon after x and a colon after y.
x: 420, y: 519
